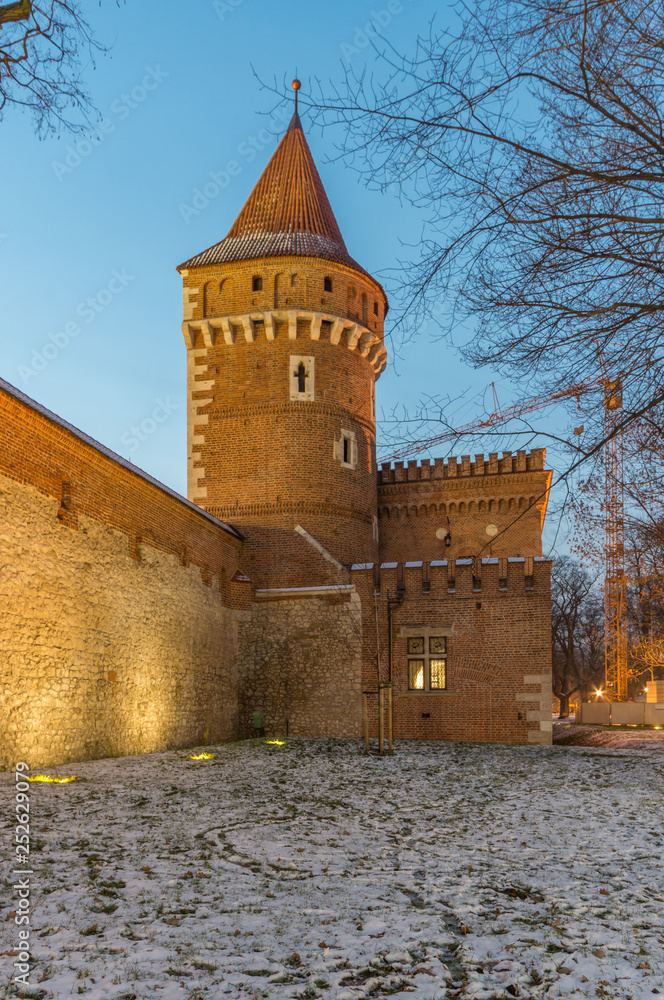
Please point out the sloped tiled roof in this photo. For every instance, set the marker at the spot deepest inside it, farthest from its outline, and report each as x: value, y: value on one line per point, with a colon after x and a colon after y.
x: 287, y: 214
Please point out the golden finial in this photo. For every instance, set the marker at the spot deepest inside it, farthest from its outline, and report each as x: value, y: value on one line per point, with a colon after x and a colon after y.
x: 296, y: 86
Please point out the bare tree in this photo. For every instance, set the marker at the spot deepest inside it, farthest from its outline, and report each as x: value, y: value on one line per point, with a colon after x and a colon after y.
x: 577, y: 618
x: 530, y: 135
x: 42, y: 47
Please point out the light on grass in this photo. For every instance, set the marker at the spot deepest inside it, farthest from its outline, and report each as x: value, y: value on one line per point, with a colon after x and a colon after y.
x: 57, y: 780
x: 276, y: 743
x: 201, y: 756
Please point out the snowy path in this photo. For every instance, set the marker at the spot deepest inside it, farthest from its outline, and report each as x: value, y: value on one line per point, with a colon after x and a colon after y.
x: 308, y: 870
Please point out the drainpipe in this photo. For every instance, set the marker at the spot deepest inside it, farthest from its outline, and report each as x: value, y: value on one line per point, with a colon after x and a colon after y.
x: 392, y: 603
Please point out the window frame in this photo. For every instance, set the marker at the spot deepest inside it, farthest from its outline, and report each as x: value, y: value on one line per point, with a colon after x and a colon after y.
x: 410, y: 632
x: 257, y: 283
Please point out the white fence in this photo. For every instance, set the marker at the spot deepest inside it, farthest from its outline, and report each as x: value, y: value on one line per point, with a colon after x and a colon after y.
x: 625, y: 713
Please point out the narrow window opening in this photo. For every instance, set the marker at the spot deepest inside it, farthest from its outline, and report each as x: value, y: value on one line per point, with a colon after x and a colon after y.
x: 327, y: 284
x: 257, y: 284
x: 375, y: 308
x: 346, y: 450
x: 301, y: 376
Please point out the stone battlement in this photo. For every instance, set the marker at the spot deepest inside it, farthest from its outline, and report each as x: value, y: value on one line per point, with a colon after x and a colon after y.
x: 451, y: 468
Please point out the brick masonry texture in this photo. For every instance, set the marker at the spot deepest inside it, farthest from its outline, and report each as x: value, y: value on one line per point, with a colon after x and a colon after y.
x: 464, y: 498
x: 259, y: 458
x: 498, y: 649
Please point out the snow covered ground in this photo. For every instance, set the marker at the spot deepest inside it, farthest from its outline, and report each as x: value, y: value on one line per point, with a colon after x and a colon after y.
x: 310, y: 870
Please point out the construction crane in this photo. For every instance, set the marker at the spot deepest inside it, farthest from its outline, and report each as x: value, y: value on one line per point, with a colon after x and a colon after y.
x: 615, y: 637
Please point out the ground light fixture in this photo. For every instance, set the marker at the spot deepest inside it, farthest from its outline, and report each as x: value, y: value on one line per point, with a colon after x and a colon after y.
x: 276, y: 743
x: 200, y: 756
x: 57, y: 780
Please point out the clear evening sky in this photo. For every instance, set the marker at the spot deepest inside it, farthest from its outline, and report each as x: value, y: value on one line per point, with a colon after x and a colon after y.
x: 91, y: 228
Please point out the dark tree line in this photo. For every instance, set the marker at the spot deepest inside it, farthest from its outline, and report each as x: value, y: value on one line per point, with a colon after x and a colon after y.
x: 577, y: 622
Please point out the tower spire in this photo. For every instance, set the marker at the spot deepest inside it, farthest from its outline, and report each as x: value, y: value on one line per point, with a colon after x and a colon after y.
x: 295, y: 120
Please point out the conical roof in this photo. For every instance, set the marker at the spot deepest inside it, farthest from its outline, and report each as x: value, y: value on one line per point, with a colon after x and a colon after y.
x: 287, y: 214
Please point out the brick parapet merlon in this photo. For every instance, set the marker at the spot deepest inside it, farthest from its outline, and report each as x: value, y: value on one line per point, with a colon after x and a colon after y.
x: 456, y: 578
x: 452, y: 469
x: 250, y: 326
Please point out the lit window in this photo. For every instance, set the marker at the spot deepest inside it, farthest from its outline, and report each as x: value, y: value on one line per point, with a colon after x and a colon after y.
x: 256, y: 284
x: 327, y: 284
x: 427, y: 661
x: 416, y: 675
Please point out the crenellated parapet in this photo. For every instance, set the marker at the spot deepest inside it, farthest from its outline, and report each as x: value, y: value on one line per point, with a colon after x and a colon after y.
x: 493, y: 505
x: 453, y: 468
x: 288, y: 324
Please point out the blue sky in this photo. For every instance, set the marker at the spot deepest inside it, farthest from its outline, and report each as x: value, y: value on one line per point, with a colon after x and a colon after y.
x: 94, y: 227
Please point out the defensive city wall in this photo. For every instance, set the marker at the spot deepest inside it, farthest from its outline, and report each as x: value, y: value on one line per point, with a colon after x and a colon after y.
x: 119, y: 601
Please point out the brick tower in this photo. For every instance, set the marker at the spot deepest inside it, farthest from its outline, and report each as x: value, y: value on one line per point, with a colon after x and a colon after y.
x: 284, y: 336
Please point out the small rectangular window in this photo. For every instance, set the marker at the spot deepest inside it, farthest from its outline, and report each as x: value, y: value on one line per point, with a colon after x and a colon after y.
x: 416, y: 644
x: 375, y: 308
x: 257, y: 284
x: 437, y: 644
x: 327, y: 284
x: 416, y: 675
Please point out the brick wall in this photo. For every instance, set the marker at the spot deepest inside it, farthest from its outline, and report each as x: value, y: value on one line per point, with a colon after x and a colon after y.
x: 260, y: 457
x: 119, y: 601
x: 464, y: 498
x: 498, y: 647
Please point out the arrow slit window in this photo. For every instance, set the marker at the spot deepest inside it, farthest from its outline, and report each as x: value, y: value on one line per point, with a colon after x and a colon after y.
x: 301, y: 378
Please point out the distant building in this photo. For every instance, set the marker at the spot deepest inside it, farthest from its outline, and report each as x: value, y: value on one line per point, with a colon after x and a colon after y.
x: 297, y: 574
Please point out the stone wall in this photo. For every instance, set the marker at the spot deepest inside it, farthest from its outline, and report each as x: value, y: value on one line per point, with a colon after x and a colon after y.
x: 302, y: 664
x: 103, y: 654
x: 119, y: 602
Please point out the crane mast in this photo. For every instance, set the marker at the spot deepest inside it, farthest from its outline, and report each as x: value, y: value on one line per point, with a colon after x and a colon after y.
x: 615, y: 637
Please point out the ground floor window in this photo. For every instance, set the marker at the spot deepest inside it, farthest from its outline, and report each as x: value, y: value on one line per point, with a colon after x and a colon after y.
x: 427, y: 661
